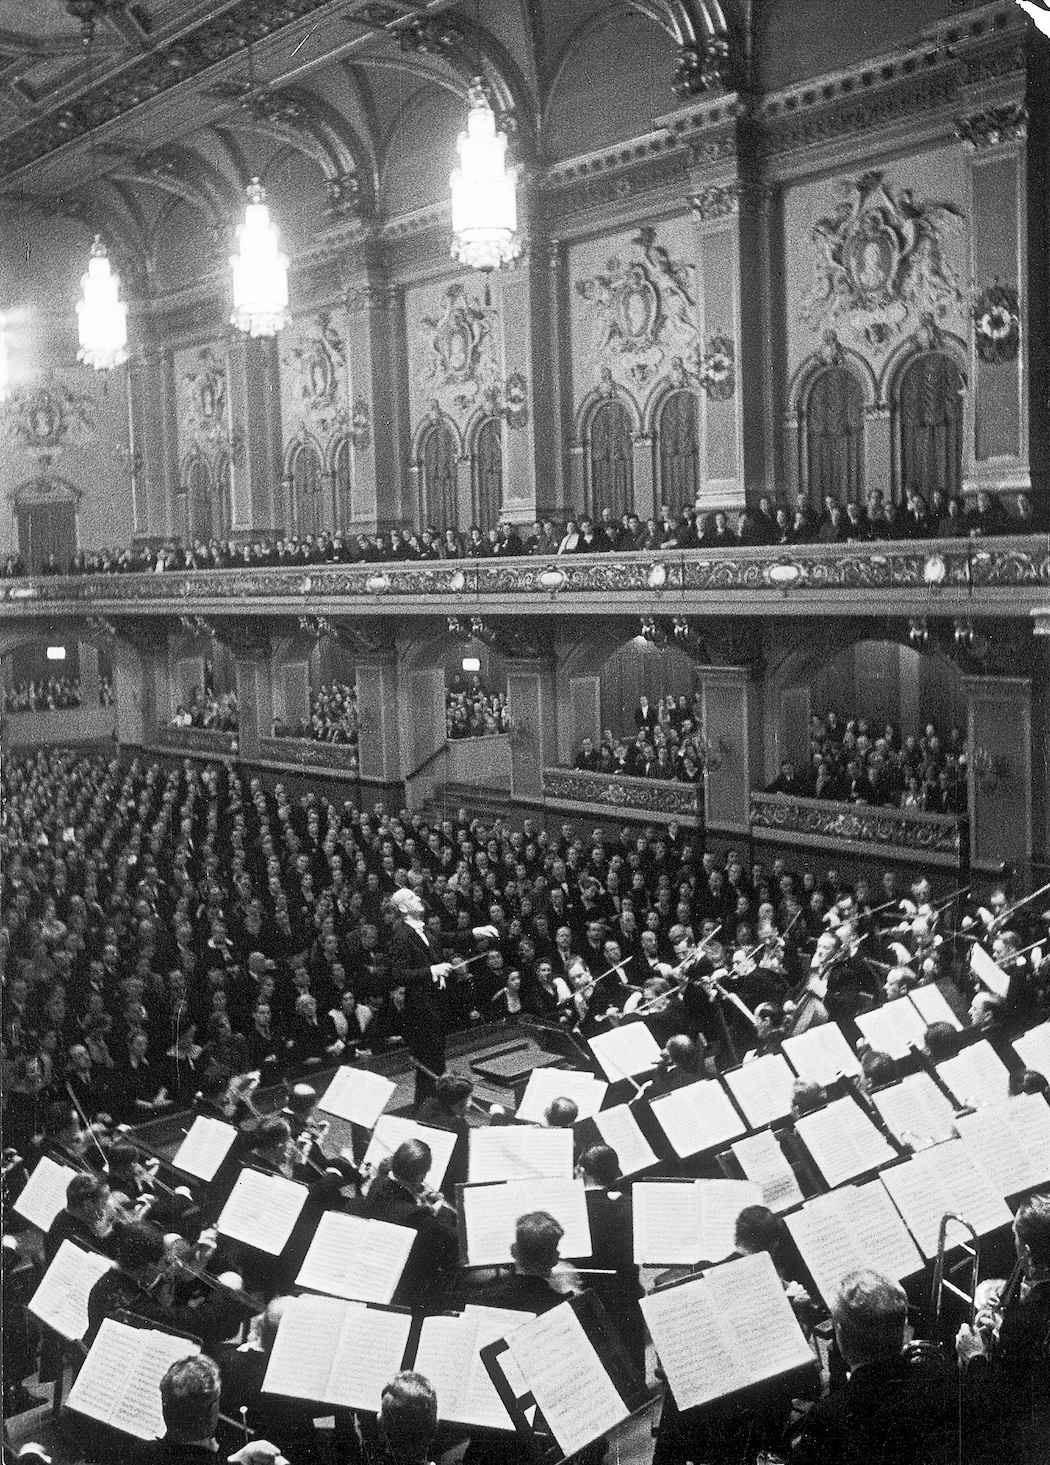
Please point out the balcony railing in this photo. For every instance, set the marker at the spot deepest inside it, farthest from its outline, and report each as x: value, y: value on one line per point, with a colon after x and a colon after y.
x: 203, y: 742
x: 309, y: 753
x: 603, y: 793
x: 907, y: 834
x: 960, y: 569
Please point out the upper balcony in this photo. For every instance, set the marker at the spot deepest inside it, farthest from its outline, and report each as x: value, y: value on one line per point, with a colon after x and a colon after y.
x: 991, y: 577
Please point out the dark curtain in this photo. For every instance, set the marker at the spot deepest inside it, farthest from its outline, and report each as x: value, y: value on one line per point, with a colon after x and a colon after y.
x: 223, y: 498
x: 835, y: 437
x: 679, y: 439
x: 438, y: 455
x: 612, y: 467
x: 199, y: 496
x: 930, y: 425
x: 488, y: 473
x: 45, y: 529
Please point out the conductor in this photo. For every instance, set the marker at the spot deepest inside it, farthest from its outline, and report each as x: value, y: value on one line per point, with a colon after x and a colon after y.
x: 419, y: 964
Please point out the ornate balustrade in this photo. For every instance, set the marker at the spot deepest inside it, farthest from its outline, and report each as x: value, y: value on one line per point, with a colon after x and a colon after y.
x: 308, y: 753
x: 867, y: 829
x: 603, y: 793
x: 201, y: 742
x: 995, y: 574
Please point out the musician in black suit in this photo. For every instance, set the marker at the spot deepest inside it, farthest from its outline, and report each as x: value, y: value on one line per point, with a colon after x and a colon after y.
x: 419, y: 964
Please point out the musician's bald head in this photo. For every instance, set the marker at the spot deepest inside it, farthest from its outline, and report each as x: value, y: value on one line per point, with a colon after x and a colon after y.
x: 562, y: 1114
x: 411, y: 1161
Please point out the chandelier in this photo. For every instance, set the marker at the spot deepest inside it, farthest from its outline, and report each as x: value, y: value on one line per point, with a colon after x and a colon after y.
x: 484, y: 200
x: 102, y: 317
x: 260, y: 270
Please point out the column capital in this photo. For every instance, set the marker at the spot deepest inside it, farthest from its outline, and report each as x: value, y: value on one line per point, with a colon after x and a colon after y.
x: 716, y: 201
x: 993, y: 127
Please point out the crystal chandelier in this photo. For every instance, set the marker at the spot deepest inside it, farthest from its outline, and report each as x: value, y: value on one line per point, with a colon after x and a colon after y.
x: 260, y: 270
x: 484, y: 199
x: 102, y: 317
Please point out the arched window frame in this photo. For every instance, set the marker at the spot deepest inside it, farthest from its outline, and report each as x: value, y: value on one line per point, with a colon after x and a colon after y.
x: 486, y: 507
x: 443, y: 514
x: 951, y: 451
x: 683, y: 493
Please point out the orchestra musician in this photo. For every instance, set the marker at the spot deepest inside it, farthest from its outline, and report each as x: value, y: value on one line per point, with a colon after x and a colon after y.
x: 419, y: 964
x: 400, y: 1195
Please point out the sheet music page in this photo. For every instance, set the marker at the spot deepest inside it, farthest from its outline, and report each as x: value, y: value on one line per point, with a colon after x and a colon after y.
x: 721, y: 1202
x: 762, y: 1088
x: 391, y: 1130
x: 619, y: 1129
x: 933, y: 1006
x: 974, y: 1195
x: 916, y: 1192
x: 519, y: 1152
x: 262, y: 1211
x: 371, y: 1350
x: 916, y: 1110
x: 446, y: 1355
x: 354, y: 1258
x: 826, y: 1242
x: 490, y: 1214
x: 100, y: 1383
x: 1033, y: 1049
x: 893, y: 1027
x: 44, y: 1193
x: 1030, y: 1122
x: 357, y: 1095
x: 698, y: 1117
x: 307, y: 1340
x: 820, y: 1054
x: 763, y: 1161
x: 666, y: 1223
x: 139, y: 1412
x: 547, y: 1084
x: 206, y: 1145
x: 881, y: 1234
x: 977, y: 1075
x: 625, y: 1051
x: 689, y: 1342
x: 61, y: 1298
x: 990, y: 1140
x: 749, y: 1299
x: 485, y: 1404
x: 843, y: 1141
x: 568, y: 1381
x: 988, y: 972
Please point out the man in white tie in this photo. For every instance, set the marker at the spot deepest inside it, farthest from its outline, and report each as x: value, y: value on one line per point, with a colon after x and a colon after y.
x: 419, y: 964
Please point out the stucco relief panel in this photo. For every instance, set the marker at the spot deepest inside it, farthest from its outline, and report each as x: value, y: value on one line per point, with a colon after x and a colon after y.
x: 315, y: 380
x: 203, y: 395
x: 636, y: 316
x: 875, y: 256
x: 457, y: 352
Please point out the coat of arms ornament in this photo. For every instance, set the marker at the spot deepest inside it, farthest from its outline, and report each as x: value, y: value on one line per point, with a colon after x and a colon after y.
x: 319, y: 371
x: 459, y: 359
x: 47, y: 417
x: 879, y: 257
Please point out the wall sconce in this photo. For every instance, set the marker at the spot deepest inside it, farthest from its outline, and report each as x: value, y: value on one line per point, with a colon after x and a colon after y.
x: 991, y: 770
x: 970, y: 640
x: 196, y: 626
x: 918, y: 634
x: 653, y: 633
x: 316, y: 626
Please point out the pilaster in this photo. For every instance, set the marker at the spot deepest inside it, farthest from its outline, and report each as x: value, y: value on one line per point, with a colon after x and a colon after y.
x: 378, y: 742
x: 255, y: 410
x: 248, y: 640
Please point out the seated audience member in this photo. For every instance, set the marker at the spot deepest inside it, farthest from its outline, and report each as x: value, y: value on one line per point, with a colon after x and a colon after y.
x: 890, y: 1411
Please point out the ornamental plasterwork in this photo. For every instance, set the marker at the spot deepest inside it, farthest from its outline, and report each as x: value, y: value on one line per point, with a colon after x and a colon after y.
x: 642, y: 310
x: 623, y: 793
x: 716, y: 201
x: 878, y: 258
x: 45, y: 418
x: 317, y: 369
x: 205, y: 401
x: 459, y: 353
x: 930, y: 832
x: 994, y: 126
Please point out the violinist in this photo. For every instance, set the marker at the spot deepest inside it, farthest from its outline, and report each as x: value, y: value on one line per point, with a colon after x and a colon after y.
x: 145, y: 1282
x: 86, y: 1218
x: 400, y: 1195
x: 770, y: 1029
x: 683, y: 1061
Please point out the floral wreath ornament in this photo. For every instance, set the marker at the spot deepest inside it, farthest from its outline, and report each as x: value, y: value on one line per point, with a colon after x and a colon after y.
x: 717, y: 370
x: 997, y: 324
x: 516, y: 400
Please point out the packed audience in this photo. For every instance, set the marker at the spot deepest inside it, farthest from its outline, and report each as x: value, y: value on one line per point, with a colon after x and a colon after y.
x: 669, y: 743
x: 216, y: 712
x: 49, y: 694
x: 767, y: 523
x: 472, y: 711
x: 332, y: 717
x: 166, y: 932
x: 855, y: 762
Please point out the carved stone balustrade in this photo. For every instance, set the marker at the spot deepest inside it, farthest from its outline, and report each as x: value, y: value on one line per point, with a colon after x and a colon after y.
x: 863, y: 829
x: 992, y: 576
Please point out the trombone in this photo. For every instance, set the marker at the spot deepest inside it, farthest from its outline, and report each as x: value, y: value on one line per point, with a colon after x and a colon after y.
x: 941, y: 1283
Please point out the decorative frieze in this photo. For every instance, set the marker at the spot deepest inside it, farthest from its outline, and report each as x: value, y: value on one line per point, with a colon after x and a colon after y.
x: 683, y: 801
x: 827, y: 822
